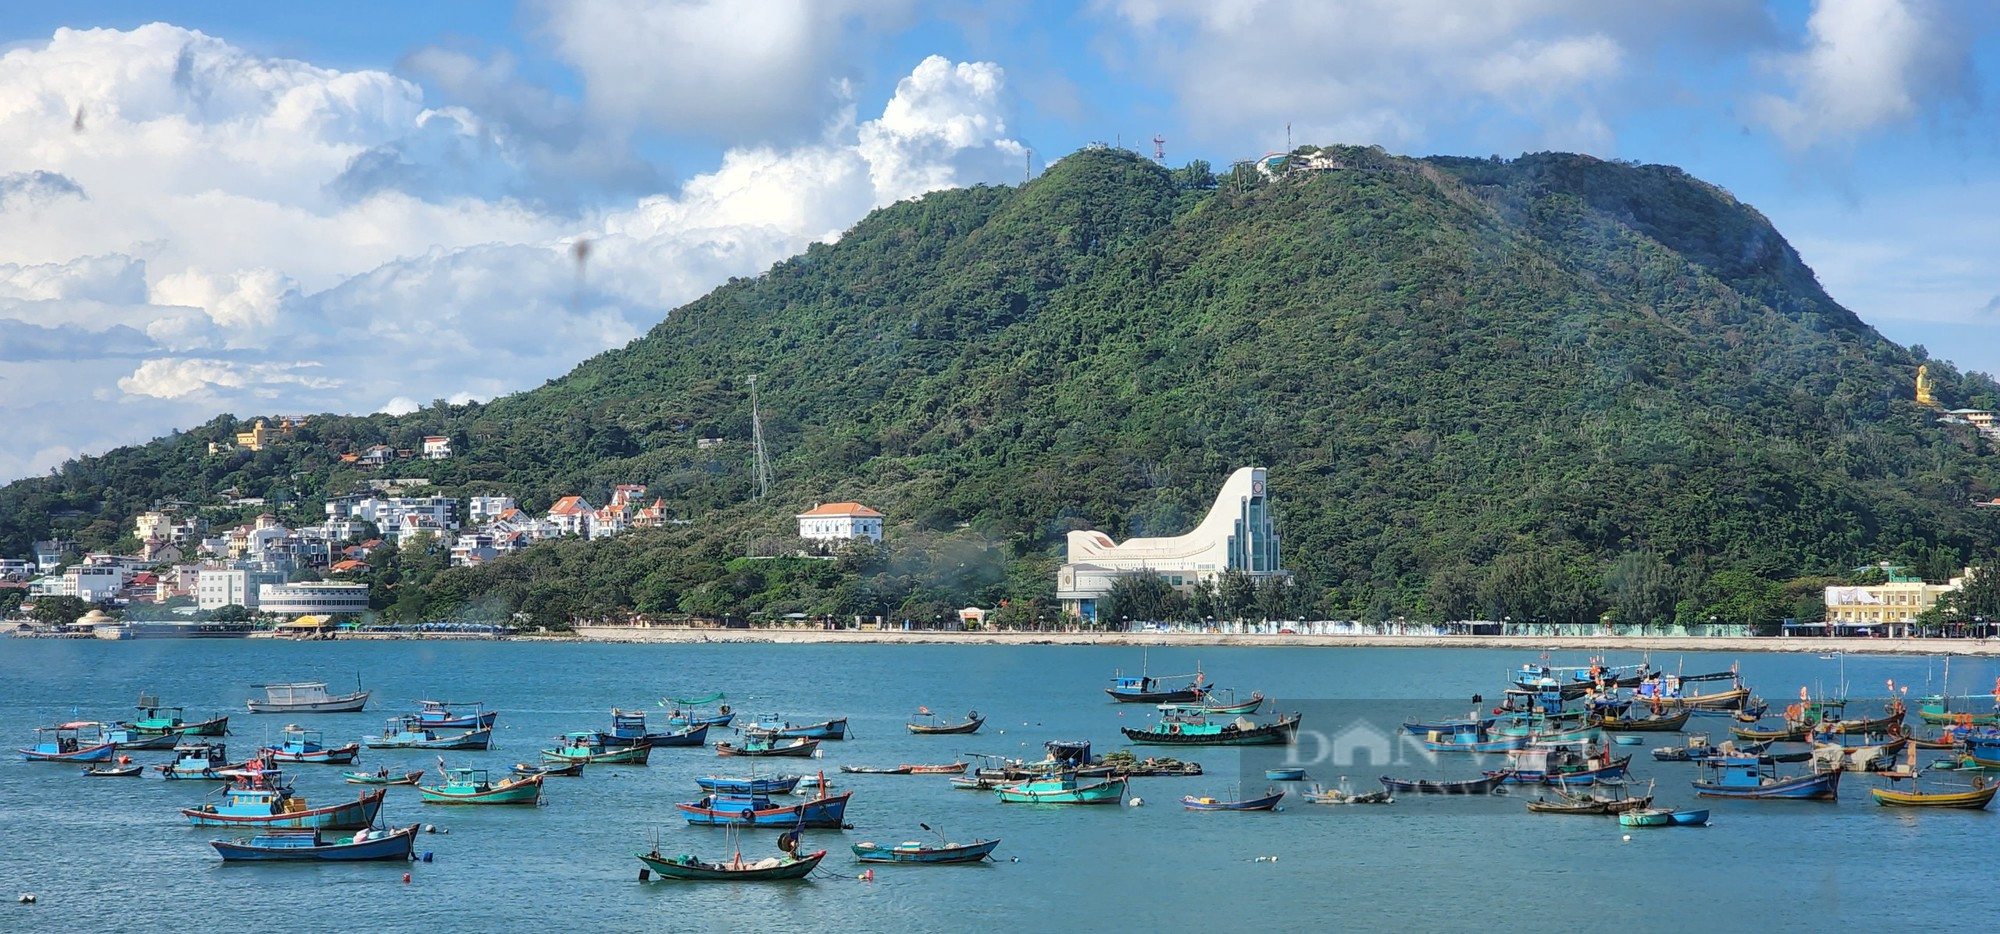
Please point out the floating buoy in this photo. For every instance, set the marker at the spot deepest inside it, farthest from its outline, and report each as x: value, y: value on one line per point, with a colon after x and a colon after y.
x: 868, y: 876
x: 1267, y: 859
x: 1628, y: 838
x: 406, y: 878
x: 1137, y: 802
x: 27, y: 898
x: 427, y: 856
x: 645, y: 874
x: 430, y: 828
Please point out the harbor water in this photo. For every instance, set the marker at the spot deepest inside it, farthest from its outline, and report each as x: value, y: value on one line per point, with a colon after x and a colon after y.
x: 115, y: 855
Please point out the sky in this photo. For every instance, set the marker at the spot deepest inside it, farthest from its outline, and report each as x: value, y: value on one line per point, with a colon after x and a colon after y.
x: 288, y: 209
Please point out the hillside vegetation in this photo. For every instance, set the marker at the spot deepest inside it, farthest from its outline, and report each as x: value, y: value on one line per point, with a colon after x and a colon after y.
x: 1547, y: 387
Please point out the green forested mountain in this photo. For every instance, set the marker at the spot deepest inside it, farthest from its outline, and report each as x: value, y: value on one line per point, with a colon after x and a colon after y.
x: 1547, y: 386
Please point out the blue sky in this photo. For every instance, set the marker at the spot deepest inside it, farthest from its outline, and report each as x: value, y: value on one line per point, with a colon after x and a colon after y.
x: 286, y: 209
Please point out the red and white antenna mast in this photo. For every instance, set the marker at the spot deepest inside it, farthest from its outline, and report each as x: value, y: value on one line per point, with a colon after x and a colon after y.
x: 1159, y: 148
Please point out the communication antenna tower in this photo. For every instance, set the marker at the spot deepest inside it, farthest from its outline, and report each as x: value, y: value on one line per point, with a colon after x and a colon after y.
x: 1159, y: 148
x: 762, y: 478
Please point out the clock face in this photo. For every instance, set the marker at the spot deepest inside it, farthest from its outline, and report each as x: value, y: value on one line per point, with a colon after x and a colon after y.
x: 1256, y: 488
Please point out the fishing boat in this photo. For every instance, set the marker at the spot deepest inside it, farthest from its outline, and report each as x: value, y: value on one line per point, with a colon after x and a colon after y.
x: 1267, y: 802
x: 628, y: 728
x: 309, y: 746
x: 82, y: 741
x: 1285, y: 775
x: 947, y: 768
x: 1611, y: 796
x: 156, y: 718
x: 1697, y: 747
x: 123, y: 768
x: 454, y: 715
x: 1668, y: 696
x: 1062, y: 789
x: 1218, y: 701
x: 261, y: 798
x: 834, y: 729
x: 407, y: 733
x: 1471, y: 738
x: 1422, y: 728
x: 1860, y: 752
x: 1937, y: 708
x: 1561, y: 766
x: 757, y: 746
x: 1320, y: 795
x: 1973, y: 797
x: 474, y: 786
x: 1424, y: 786
x: 970, y: 724
x: 197, y: 760
x: 568, y: 770
x: 693, y: 711
x: 1202, y: 730
x: 1146, y: 689
x: 382, y: 776
x: 977, y: 782
x: 1751, y: 777
x: 911, y: 851
x: 753, y: 785
x: 1891, y: 721
x: 1656, y: 723
x: 584, y: 746
x: 126, y: 740
x: 1646, y: 817
x: 313, y: 844
x: 824, y: 809
x: 687, y: 868
x: 875, y: 770
x: 307, y: 697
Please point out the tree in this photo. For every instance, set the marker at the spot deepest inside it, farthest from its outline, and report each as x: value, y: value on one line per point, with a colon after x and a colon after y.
x: 1197, y: 174
x: 59, y: 611
x: 230, y: 613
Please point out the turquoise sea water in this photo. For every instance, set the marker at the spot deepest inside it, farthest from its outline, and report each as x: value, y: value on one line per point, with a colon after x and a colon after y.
x: 114, y: 854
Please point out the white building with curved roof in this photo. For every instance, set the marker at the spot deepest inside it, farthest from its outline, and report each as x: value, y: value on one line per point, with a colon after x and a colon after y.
x: 1237, y: 534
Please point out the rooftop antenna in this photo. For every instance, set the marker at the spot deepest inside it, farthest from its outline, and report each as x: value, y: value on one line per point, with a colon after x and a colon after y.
x: 1159, y: 148
x: 762, y: 478
x: 1028, y: 166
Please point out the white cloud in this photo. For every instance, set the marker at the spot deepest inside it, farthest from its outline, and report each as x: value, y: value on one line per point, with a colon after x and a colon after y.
x: 738, y: 72
x: 1865, y: 64
x: 268, y: 236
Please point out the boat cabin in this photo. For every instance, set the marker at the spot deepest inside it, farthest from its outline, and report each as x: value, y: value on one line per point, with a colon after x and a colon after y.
x: 65, y: 738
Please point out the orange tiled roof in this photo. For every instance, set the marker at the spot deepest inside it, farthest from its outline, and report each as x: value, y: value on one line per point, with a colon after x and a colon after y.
x: 841, y: 509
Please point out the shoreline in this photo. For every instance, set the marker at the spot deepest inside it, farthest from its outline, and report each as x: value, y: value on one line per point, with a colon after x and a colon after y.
x: 1763, y: 645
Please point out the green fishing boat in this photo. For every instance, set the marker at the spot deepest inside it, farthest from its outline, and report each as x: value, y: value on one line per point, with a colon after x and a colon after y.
x: 1063, y: 789
x: 157, y: 719
x: 472, y: 786
x: 585, y: 746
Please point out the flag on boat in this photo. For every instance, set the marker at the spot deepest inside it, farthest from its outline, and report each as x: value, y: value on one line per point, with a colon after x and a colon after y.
x: 926, y: 711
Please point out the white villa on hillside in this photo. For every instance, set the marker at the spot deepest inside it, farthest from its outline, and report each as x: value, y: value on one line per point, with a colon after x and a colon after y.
x: 834, y: 522
x: 1238, y: 534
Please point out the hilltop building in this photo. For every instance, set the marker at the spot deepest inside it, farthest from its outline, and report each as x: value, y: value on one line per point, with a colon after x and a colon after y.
x: 1238, y: 534
x: 1889, y: 608
x: 835, y: 522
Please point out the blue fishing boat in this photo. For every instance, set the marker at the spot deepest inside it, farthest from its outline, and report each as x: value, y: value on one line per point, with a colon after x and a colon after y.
x: 1560, y: 766
x: 309, y: 746
x: 912, y: 851
x: 628, y: 728
x: 1421, y: 728
x: 1146, y: 689
x: 1751, y: 777
x: 1062, y: 788
x: 694, y: 711
x: 584, y: 746
x: 1690, y: 818
x: 1266, y: 803
x: 262, y: 799
x: 1203, y: 730
x: 1471, y: 738
x: 454, y: 715
x: 1285, y: 775
x: 82, y: 741
x: 773, y: 785
x: 311, y: 844
x: 772, y: 728
x: 407, y: 733
x: 755, y: 810
x: 197, y: 760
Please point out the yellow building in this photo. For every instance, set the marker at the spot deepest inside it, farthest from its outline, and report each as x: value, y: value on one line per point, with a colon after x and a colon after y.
x: 1889, y: 607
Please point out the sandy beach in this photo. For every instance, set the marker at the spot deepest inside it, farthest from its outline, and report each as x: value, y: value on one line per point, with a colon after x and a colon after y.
x: 1818, y: 646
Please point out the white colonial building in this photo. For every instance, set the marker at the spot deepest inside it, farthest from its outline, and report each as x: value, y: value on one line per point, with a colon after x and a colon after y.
x: 219, y: 587
x: 1238, y: 534
x: 839, y: 522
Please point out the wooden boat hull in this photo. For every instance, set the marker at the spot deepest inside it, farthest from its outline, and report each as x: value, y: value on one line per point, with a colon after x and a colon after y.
x: 1974, y: 800
x: 572, y: 770
x: 345, y: 703
x: 1420, y: 728
x: 950, y: 729
x: 623, y: 755
x: 865, y: 770
x: 776, y: 785
x: 1671, y: 723
x: 1586, y: 775
x: 1691, y: 818
x: 352, y: 815
x: 216, y: 727
x: 1265, y: 803
x: 802, y: 750
x: 948, y: 853
x: 396, y: 844
x: 955, y: 768
x: 478, y: 721
x: 1336, y: 796
x: 1497, y: 744
x: 524, y: 790
x: 827, y: 812
x: 101, y: 752
x: 1424, y: 786
x: 1285, y: 775
x: 470, y: 739
x: 1281, y: 733
x: 1790, y: 734
x: 123, y: 771
x: 370, y: 778
x: 1824, y: 786
x: 695, y: 871
x: 333, y: 755
x: 150, y: 741
x: 1732, y: 699
x: 1646, y: 818
x: 1109, y: 791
